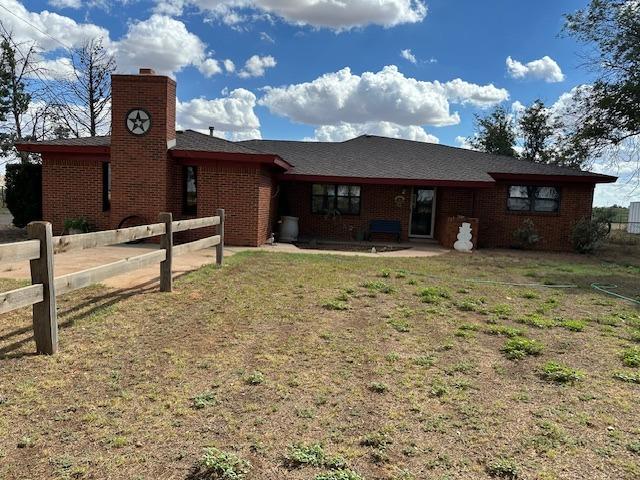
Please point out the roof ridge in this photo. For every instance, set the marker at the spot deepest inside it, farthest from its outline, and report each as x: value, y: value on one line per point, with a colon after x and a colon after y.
x: 227, y: 141
x: 495, y: 155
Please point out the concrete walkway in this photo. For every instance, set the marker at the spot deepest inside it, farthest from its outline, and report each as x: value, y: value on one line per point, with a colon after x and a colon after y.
x: 70, y: 262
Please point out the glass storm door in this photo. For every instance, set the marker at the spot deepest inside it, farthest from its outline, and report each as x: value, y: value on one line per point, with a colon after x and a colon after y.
x: 422, y: 207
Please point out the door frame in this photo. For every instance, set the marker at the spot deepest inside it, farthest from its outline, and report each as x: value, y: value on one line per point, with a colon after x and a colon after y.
x: 433, y: 212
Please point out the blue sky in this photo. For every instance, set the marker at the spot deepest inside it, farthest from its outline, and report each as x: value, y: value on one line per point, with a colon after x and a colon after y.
x: 281, y: 49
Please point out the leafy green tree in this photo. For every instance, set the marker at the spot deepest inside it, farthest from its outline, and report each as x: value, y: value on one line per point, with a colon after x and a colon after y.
x: 537, y: 130
x: 608, y: 111
x: 495, y: 133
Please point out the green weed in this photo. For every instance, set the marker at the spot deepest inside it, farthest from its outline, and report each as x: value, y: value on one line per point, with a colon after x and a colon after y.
x: 503, y: 330
x: 503, y: 468
x: 433, y: 295
x: 519, y: 347
x: 574, y: 325
x: 203, y: 400
x: 631, y: 357
x: 255, y: 378
x: 557, y: 372
x: 627, y: 377
x: 378, y: 387
x: 335, y: 304
x: 218, y: 464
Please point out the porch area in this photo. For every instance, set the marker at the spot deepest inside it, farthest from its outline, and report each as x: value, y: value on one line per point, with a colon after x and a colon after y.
x: 350, y: 211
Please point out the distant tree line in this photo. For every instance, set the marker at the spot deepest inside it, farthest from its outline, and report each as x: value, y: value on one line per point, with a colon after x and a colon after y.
x: 599, y: 120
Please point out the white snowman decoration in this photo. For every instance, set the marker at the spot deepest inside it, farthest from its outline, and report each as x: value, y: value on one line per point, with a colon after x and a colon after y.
x: 464, y: 244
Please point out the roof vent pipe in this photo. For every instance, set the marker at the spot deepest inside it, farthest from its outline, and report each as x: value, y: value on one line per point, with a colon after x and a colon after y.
x: 211, y: 130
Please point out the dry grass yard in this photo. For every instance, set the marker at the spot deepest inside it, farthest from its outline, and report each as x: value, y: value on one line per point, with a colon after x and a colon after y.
x: 335, y: 368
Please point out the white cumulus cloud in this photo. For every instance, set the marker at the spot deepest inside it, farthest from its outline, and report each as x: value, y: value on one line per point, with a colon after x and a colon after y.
x: 345, y: 131
x: 256, y: 66
x: 229, y: 66
x: 164, y: 44
x: 66, y: 3
x: 333, y: 14
x: 232, y: 115
x: 66, y: 30
x: 545, y: 68
x: 408, y: 55
x: 384, y: 96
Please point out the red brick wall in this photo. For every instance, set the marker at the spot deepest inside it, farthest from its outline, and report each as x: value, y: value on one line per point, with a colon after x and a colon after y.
x: 488, y: 204
x: 244, y: 191
x: 377, y: 202
x: 497, y: 224
x: 72, y: 188
x: 451, y: 202
x: 140, y: 168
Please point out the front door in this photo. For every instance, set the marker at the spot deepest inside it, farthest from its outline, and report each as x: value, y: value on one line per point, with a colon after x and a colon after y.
x: 422, y: 212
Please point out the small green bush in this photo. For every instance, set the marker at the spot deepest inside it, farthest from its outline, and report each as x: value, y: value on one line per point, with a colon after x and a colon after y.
x: 520, y: 347
x: 218, y: 464
x: 526, y: 236
x: 588, y: 234
x: 557, y: 372
x: 79, y: 224
x: 631, y: 357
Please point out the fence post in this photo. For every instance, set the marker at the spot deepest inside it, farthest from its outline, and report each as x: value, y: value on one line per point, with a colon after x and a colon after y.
x: 166, y: 242
x: 220, y: 231
x: 45, y: 320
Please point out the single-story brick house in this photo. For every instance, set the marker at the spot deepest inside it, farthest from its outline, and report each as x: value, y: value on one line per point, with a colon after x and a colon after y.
x: 335, y: 189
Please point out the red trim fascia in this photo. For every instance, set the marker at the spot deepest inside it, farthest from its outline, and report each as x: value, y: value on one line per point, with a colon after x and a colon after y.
x: 384, y: 181
x: 528, y: 177
x: 262, y: 158
x: 44, y: 148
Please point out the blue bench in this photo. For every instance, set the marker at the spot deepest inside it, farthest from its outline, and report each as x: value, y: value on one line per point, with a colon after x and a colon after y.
x: 391, y: 227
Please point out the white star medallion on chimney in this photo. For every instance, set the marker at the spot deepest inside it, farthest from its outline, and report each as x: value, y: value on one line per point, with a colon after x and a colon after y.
x: 138, y: 121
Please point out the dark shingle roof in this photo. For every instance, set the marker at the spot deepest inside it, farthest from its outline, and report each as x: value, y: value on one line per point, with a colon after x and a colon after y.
x: 104, y: 141
x: 367, y: 156
x: 371, y: 156
x: 200, y: 142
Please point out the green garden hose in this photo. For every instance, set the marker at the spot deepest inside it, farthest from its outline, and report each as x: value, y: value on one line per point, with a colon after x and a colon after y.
x: 604, y: 288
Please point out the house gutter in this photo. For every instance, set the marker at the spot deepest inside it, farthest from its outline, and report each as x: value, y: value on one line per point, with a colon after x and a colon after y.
x: 384, y: 181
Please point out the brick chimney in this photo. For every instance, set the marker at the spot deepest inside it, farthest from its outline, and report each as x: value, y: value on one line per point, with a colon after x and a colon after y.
x: 143, y: 117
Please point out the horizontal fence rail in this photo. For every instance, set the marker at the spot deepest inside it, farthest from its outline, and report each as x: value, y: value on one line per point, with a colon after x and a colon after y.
x: 21, y: 297
x: 84, y: 278
x: 41, y: 247
x: 19, y: 251
x: 83, y: 241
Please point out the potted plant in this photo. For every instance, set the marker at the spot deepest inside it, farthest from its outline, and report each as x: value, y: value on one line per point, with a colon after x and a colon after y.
x: 73, y: 226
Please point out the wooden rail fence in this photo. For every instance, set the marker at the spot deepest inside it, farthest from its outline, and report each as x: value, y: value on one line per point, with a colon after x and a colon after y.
x: 42, y: 245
